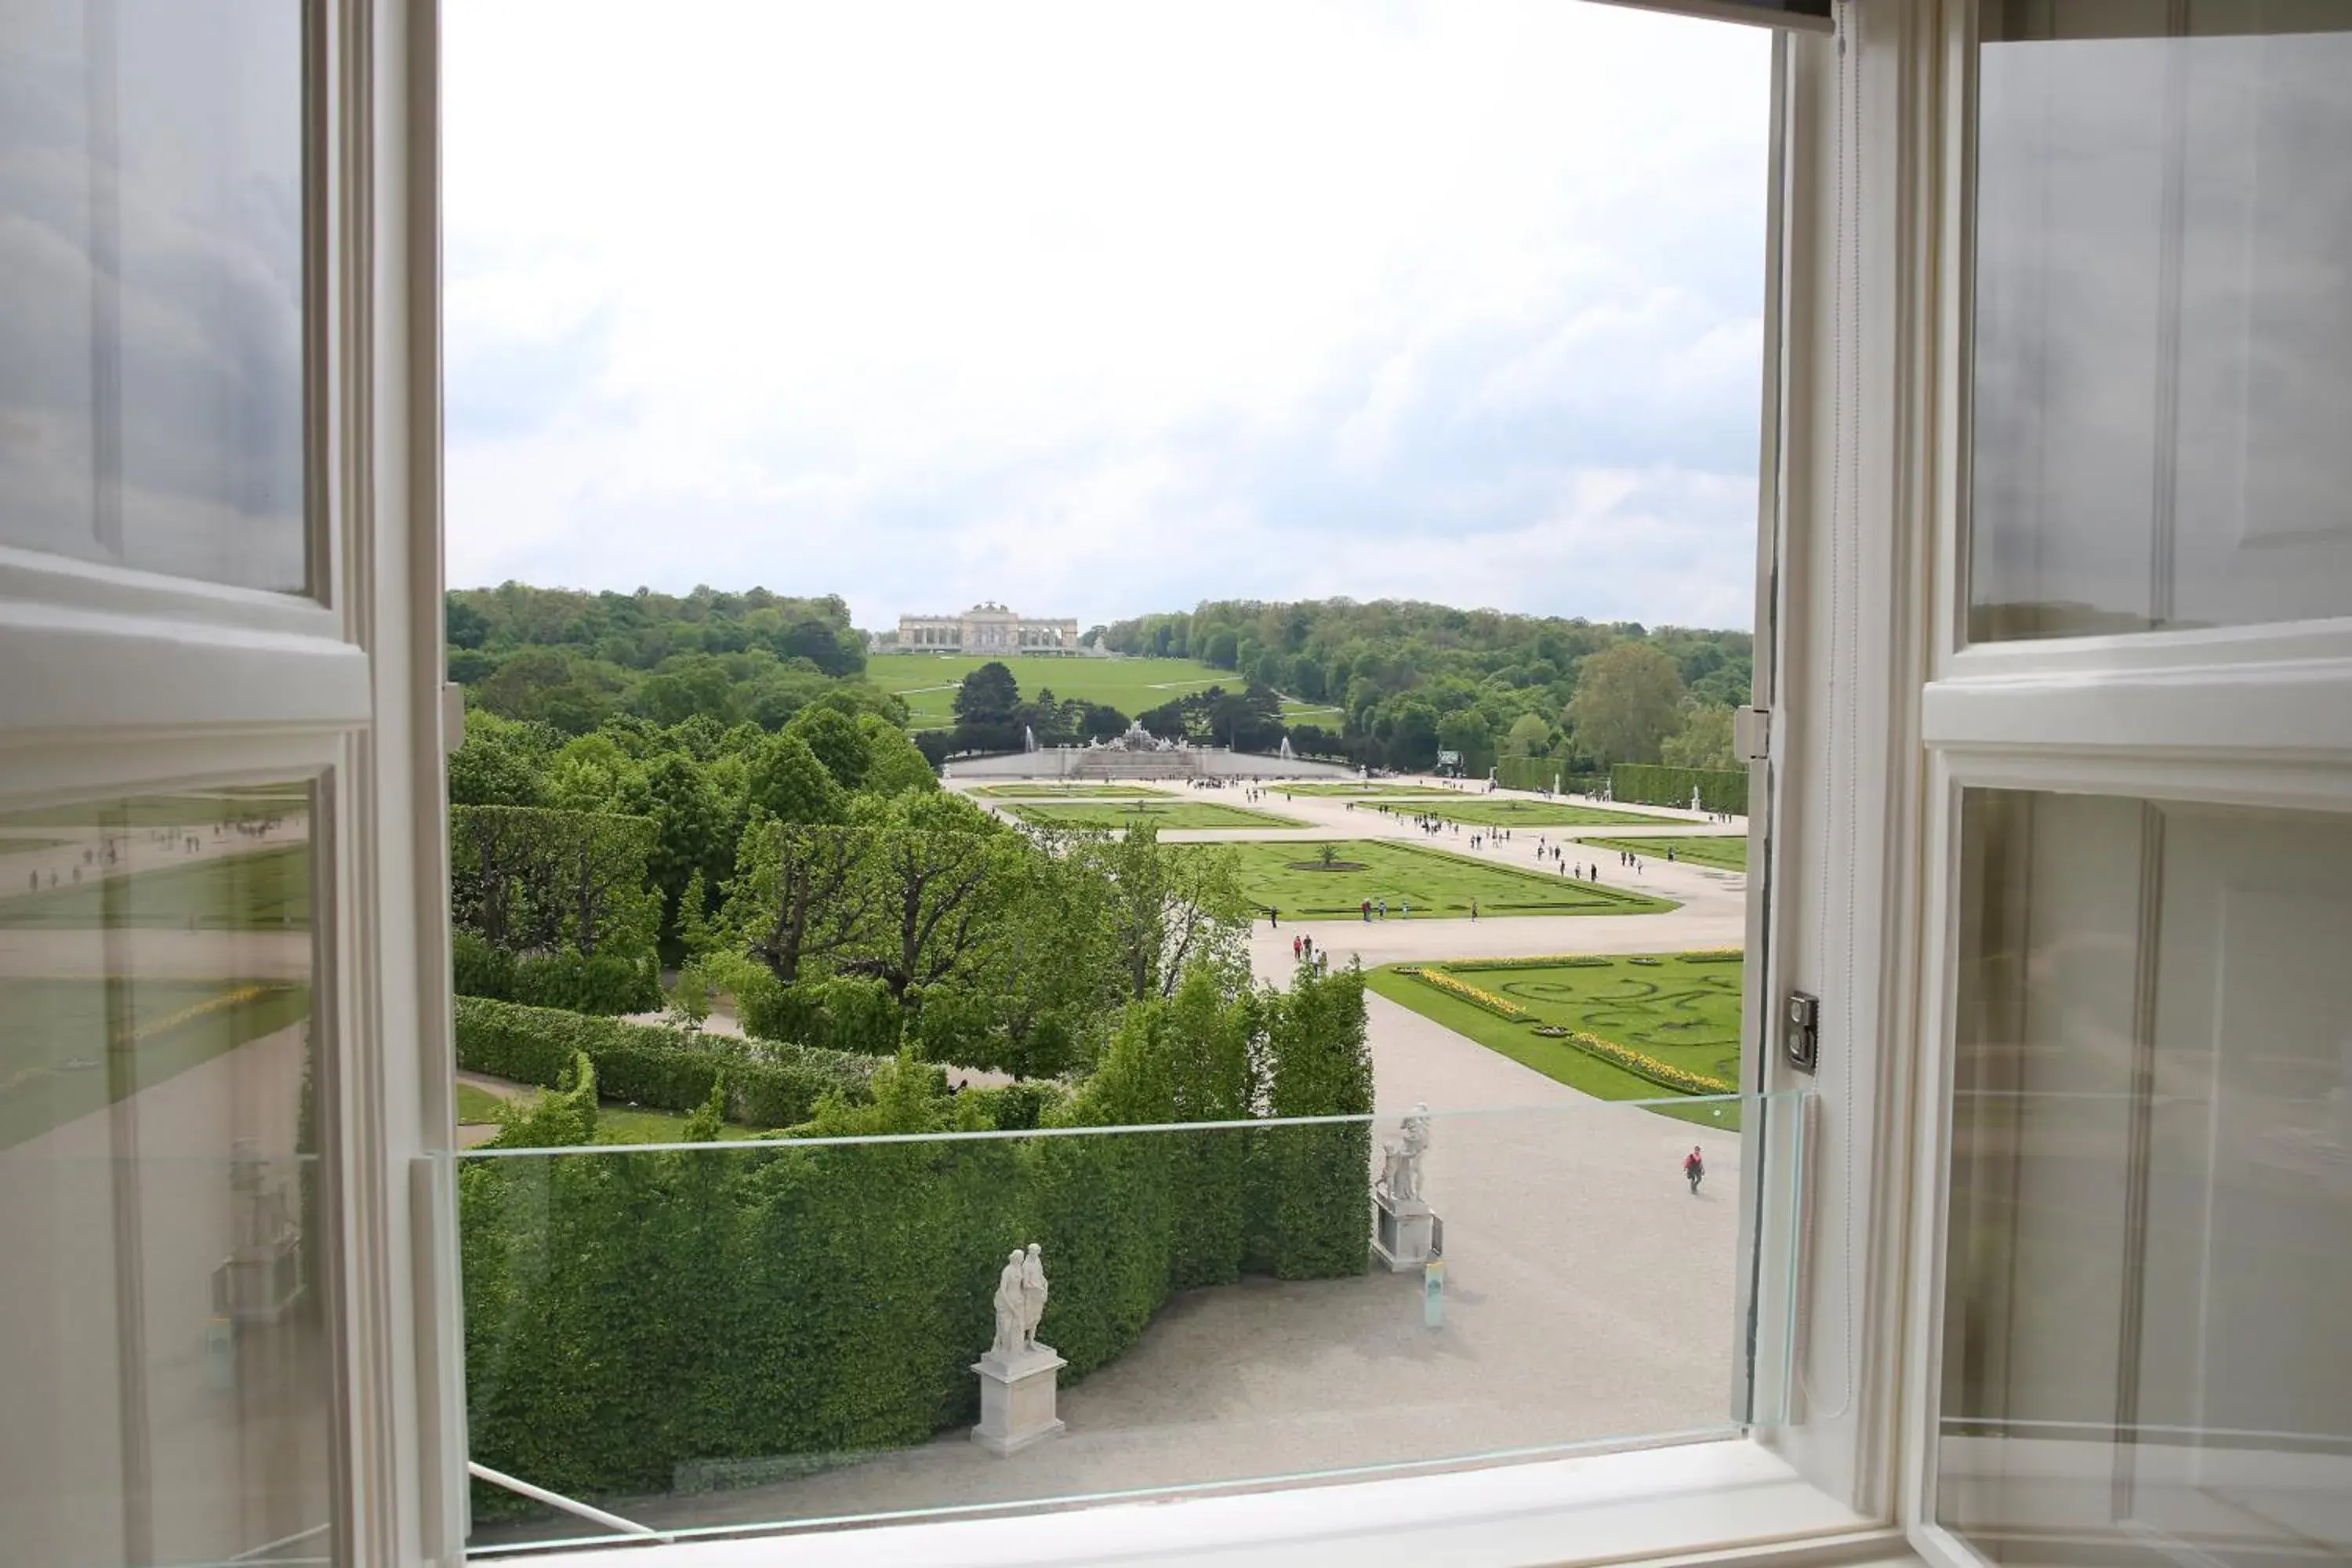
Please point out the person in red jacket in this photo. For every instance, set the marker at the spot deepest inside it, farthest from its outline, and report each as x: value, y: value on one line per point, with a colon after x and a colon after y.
x: 1694, y: 1169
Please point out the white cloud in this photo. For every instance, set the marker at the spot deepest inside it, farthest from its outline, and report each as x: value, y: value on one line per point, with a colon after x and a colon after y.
x: 1100, y: 307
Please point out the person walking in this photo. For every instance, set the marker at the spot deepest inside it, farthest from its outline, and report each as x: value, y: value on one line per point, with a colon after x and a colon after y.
x: 1694, y: 1169
x: 1405, y: 910
x: 1294, y: 950
x: 1384, y: 907
x: 1273, y: 918
x: 1367, y: 908
x: 1473, y: 911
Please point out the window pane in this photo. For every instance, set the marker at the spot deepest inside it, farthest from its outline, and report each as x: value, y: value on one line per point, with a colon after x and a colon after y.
x: 2150, y: 1240
x: 151, y: 332
x: 161, y: 1333
x: 2163, y: 372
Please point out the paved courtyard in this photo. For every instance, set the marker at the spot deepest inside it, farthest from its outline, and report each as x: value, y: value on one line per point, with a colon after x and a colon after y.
x: 1589, y: 1295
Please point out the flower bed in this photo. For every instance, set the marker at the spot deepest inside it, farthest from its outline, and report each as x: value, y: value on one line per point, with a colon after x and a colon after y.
x: 1556, y: 961
x: 1664, y: 1075
x: 1466, y: 992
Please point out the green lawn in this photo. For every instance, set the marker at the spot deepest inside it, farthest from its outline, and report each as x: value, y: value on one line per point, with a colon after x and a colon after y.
x: 477, y: 1105
x: 267, y: 890
x: 1050, y: 791
x: 1726, y: 852
x: 1677, y: 1008
x: 1175, y: 814
x: 1364, y: 789
x: 927, y: 682
x: 54, y: 1038
x: 1503, y: 811
x: 1438, y: 885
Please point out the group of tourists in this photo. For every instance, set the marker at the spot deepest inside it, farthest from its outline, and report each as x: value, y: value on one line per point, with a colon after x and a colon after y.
x: 1304, y: 950
x: 1380, y: 906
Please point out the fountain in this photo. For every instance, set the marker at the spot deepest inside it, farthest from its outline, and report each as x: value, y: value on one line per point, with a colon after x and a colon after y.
x: 1288, y: 755
x: 1028, y: 739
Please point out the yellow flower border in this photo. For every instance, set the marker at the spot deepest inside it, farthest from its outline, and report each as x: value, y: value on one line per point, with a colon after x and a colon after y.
x: 1641, y: 1065
x: 1466, y: 992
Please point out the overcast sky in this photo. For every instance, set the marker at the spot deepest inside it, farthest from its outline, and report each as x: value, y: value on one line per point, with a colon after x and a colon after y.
x: 1108, y: 306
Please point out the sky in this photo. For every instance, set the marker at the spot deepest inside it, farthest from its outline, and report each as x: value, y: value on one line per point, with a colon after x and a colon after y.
x: 1106, y: 307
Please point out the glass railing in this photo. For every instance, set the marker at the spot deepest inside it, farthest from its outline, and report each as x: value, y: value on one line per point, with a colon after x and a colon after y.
x: 690, y: 1340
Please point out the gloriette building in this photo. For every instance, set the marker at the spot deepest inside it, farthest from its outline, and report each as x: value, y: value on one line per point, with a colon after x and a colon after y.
x: 986, y: 628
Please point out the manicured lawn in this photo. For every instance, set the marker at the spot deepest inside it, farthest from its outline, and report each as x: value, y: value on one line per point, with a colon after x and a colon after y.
x: 1504, y: 811
x: 477, y: 1105
x: 1677, y: 1008
x: 267, y: 890
x: 1048, y: 791
x: 55, y: 1034
x: 1391, y: 791
x: 1726, y: 852
x: 1175, y: 814
x: 929, y: 681
x: 1438, y: 885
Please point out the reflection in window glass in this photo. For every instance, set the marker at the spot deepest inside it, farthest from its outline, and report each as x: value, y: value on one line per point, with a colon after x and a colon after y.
x: 161, y: 1338
x: 2163, y: 358
x: 2151, y: 1228
x: 151, y: 332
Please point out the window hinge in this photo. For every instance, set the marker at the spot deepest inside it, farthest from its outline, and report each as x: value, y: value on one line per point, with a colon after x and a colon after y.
x: 1751, y: 734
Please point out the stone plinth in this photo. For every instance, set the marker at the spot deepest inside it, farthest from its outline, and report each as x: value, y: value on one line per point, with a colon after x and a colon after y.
x: 1405, y: 1234
x: 1016, y: 1399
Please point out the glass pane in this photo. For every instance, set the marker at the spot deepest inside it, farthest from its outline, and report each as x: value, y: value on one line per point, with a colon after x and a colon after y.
x: 2163, y: 372
x: 2150, y: 1238
x: 151, y: 332
x: 161, y: 1339
x: 786, y: 1332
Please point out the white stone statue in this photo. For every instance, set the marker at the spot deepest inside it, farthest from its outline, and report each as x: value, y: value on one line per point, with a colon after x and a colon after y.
x: 1032, y: 1295
x: 1012, y: 1309
x: 1401, y: 1172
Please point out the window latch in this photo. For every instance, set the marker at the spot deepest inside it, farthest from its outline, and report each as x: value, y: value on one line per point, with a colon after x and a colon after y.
x: 1751, y: 733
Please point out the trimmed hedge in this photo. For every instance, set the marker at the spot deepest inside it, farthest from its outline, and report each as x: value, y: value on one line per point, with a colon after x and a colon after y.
x: 637, y: 1317
x: 648, y: 1065
x: 1648, y: 784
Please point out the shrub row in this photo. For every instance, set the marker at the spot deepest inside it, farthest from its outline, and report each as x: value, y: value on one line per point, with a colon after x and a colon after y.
x: 1558, y: 961
x: 604, y: 983
x: 1664, y: 1074
x: 648, y: 1065
x: 1649, y: 783
x: 634, y: 1318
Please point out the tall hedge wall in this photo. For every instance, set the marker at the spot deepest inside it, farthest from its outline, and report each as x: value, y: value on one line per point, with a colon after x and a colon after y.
x: 637, y: 1320
x: 1646, y: 783
x: 1528, y: 773
x: 768, y: 1085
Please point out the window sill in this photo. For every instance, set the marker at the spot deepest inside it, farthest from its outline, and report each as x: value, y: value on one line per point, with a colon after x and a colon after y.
x: 1706, y: 1498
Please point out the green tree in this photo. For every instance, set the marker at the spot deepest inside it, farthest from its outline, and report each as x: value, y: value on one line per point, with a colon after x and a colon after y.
x: 1412, y: 736
x: 1628, y: 701
x: 987, y: 696
x: 788, y: 783
x: 1704, y: 740
x: 837, y: 740
x: 1465, y: 731
x: 1529, y: 736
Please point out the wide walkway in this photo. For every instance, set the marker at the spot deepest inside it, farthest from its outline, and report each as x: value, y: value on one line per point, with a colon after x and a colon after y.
x: 1587, y: 1293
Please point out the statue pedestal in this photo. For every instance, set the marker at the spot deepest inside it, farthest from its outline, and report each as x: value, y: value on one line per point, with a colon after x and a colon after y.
x: 1405, y: 1234
x: 1016, y: 1399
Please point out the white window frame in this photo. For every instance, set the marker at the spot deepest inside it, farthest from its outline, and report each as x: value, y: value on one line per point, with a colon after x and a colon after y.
x: 124, y: 681
x: 2255, y: 715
